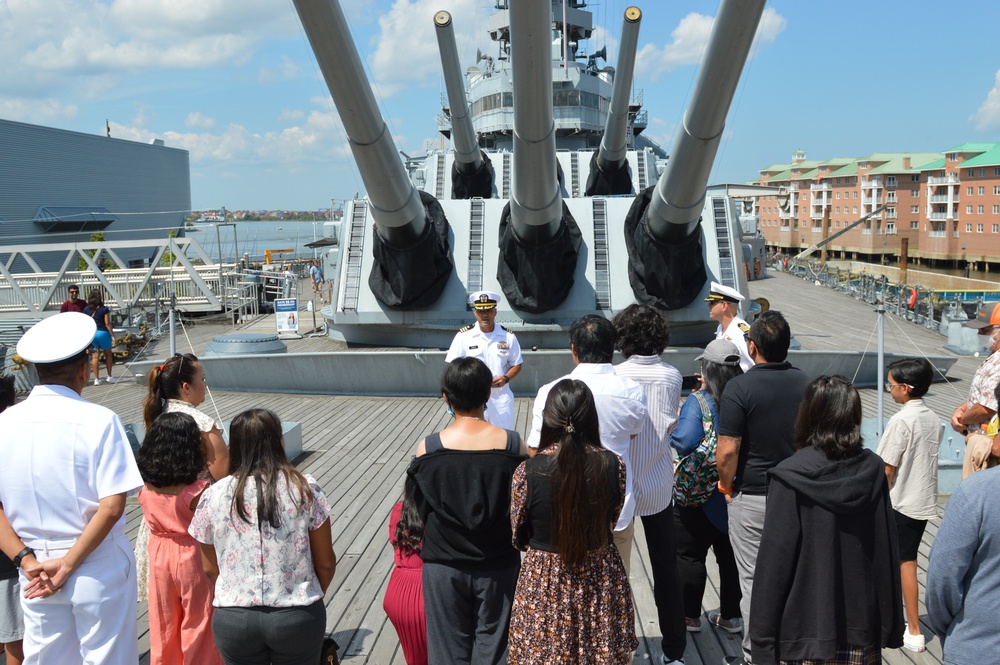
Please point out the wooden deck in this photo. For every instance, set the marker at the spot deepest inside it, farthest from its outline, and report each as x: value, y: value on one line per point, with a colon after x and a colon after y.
x: 359, y: 447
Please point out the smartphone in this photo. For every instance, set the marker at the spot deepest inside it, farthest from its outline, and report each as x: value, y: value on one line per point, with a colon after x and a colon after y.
x: 690, y: 381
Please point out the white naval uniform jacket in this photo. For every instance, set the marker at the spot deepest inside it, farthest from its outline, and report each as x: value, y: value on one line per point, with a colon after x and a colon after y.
x: 500, y: 351
x: 735, y: 334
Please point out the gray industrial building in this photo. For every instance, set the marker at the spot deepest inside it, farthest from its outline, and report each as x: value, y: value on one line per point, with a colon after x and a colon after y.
x: 58, y: 186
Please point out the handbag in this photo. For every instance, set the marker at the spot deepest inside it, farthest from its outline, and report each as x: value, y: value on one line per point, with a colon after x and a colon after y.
x: 328, y: 655
x: 695, y: 475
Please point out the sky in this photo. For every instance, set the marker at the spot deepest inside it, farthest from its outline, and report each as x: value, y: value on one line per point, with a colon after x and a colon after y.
x: 235, y: 83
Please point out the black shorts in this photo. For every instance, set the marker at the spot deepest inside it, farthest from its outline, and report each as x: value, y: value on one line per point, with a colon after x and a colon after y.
x: 909, y: 532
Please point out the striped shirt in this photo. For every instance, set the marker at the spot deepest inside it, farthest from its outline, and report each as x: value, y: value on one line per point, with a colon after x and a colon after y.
x: 650, y: 453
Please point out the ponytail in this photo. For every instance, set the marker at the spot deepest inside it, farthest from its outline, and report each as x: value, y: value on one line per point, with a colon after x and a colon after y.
x: 165, y: 383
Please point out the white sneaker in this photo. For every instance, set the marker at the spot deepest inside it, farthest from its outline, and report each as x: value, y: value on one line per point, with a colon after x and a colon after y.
x: 97, y: 382
x: 913, y: 642
x: 111, y: 379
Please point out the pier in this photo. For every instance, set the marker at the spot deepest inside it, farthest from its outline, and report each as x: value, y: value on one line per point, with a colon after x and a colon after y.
x: 359, y: 447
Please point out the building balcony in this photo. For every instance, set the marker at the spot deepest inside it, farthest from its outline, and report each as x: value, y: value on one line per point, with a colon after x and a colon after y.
x: 942, y: 216
x: 868, y: 200
x: 937, y: 234
x: 816, y: 214
x: 817, y: 229
x: 944, y: 198
x: 787, y: 214
x: 950, y: 179
x: 821, y: 187
x: 794, y: 187
x: 871, y: 182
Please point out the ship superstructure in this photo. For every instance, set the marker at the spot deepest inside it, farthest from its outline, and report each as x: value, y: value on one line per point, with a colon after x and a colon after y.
x: 549, y: 195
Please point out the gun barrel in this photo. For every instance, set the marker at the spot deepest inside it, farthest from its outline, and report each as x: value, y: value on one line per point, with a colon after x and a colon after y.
x: 613, y: 148
x: 396, y: 205
x: 463, y: 136
x: 675, y: 207
x: 535, y: 202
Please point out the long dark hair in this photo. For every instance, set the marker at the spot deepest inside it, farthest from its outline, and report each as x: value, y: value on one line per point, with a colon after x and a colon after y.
x: 409, y: 534
x: 165, y: 383
x: 716, y: 377
x: 172, y: 452
x: 94, y: 300
x: 830, y: 417
x: 580, y: 486
x: 256, y: 454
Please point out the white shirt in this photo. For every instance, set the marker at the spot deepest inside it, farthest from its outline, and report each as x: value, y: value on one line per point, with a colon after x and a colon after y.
x: 650, y: 453
x: 61, y: 455
x: 621, y: 408
x: 499, y: 349
x: 735, y: 332
x: 204, y: 421
x: 911, y: 443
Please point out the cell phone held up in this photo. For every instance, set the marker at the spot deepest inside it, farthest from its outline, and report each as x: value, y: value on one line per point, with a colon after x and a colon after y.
x: 690, y: 382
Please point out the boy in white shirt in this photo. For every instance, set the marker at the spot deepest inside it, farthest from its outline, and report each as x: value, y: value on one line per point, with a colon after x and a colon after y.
x: 909, y: 447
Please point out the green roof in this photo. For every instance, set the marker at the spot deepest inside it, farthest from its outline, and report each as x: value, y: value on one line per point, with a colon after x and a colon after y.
x: 775, y: 167
x: 973, y: 147
x: 989, y: 158
x: 808, y: 175
x: 936, y: 165
x: 781, y: 175
x: 893, y: 162
x: 849, y: 167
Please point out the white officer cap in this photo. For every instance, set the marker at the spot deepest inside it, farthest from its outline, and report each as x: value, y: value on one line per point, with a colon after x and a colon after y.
x: 484, y: 299
x: 719, y: 292
x: 57, y: 338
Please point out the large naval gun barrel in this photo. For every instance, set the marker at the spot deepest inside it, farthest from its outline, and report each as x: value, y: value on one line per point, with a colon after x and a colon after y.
x: 662, y: 230
x: 539, y: 238
x: 471, y: 174
x: 412, y: 257
x: 611, y: 173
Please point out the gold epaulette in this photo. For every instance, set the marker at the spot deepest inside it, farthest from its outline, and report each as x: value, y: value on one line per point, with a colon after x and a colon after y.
x: 467, y: 328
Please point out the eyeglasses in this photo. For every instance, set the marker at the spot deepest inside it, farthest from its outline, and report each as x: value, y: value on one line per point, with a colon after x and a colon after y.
x: 746, y: 338
x: 890, y: 386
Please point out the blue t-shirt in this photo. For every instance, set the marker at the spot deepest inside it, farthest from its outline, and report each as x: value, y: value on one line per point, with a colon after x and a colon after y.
x: 316, y: 274
x: 98, y: 316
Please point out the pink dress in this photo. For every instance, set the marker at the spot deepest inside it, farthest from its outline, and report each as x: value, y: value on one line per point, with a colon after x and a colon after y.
x: 404, y: 598
x: 180, y: 594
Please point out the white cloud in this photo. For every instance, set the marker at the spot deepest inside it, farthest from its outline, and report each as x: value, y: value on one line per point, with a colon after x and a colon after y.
x: 406, y: 52
x: 291, y: 115
x: 688, y: 42
x: 198, y: 120
x: 284, y: 70
x: 987, y: 116
x: 36, y: 111
x: 318, y: 139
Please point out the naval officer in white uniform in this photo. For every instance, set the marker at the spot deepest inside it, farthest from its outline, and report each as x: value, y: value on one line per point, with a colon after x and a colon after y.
x: 723, y: 302
x: 67, y: 468
x: 498, y: 348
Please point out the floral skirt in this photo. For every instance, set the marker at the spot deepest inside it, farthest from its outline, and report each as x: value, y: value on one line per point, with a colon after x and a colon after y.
x: 581, y: 616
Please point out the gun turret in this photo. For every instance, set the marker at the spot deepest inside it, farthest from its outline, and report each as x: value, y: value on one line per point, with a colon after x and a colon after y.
x: 472, y: 173
x: 412, y: 257
x: 539, y: 239
x: 661, y: 231
x: 611, y: 174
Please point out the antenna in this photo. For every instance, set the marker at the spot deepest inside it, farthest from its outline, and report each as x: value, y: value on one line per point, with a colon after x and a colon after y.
x: 602, y: 54
x: 480, y: 56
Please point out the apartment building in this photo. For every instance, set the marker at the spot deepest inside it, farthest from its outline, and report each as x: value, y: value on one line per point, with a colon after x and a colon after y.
x: 947, y: 206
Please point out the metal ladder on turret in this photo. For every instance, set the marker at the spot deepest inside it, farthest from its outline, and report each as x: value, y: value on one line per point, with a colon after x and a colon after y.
x: 602, y: 272
x: 355, y: 247
x: 506, y: 176
x: 640, y: 158
x: 475, y: 274
x: 727, y: 269
x: 574, y: 171
x: 439, y: 178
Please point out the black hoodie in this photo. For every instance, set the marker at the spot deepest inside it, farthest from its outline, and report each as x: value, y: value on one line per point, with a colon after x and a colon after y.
x: 827, y: 572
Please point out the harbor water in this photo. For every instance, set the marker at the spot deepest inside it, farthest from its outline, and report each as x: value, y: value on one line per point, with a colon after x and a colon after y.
x: 234, y: 239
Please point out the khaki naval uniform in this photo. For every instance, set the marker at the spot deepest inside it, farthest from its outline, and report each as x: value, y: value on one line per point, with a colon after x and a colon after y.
x: 500, y: 351
x: 735, y: 334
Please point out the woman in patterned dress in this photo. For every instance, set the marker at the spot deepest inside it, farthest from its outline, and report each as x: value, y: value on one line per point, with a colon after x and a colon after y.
x: 573, y: 603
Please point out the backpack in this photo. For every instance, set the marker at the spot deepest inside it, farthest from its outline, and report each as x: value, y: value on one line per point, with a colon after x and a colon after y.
x: 695, y: 475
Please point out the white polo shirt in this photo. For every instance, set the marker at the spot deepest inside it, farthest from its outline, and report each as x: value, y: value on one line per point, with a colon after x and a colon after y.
x: 621, y: 408
x: 61, y: 455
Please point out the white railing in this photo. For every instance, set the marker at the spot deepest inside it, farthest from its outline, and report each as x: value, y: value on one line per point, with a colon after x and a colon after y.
x: 942, y: 215
x: 188, y: 274
x: 950, y: 179
x: 944, y: 198
x: 820, y: 187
